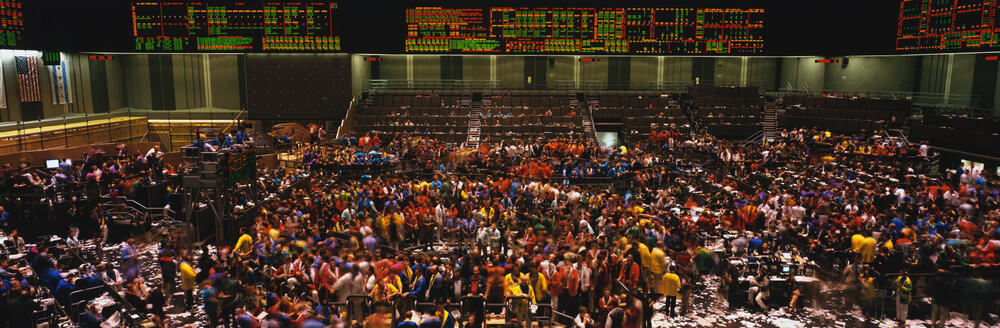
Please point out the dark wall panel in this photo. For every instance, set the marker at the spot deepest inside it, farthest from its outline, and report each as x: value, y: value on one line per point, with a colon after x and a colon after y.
x: 984, y: 79
x: 297, y: 86
x: 99, y: 79
x: 619, y: 72
x: 161, y: 75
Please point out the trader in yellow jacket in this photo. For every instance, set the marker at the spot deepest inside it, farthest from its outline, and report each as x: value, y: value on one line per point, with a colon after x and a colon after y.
x: 187, y: 282
x: 670, y: 287
x: 521, y: 307
x: 657, y: 264
x: 244, y: 245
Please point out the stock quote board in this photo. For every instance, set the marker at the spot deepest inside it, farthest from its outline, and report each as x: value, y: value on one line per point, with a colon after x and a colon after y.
x: 947, y: 25
x: 235, y: 26
x: 654, y: 31
x: 11, y: 23
x: 240, y: 165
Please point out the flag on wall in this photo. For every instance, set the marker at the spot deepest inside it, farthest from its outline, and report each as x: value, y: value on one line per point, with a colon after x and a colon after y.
x: 60, y: 84
x: 28, y: 86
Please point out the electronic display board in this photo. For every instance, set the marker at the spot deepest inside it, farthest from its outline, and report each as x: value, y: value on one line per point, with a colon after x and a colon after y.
x: 235, y: 26
x: 663, y: 31
x: 11, y: 23
x: 947, y: 25
x: 240, y: 165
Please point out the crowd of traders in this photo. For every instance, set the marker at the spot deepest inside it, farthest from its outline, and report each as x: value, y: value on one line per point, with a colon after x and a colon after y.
x: 852, y: 205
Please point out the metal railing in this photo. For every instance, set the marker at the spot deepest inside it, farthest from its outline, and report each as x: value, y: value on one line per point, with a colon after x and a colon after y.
x: 918, y: 98
x: 122, y: 125
x: 383, y: 84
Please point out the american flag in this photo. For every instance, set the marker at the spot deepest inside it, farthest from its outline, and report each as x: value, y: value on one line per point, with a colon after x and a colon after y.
x: 28, y: 88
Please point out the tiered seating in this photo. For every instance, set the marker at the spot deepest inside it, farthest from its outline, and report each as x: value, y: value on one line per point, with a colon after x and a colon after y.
x: 434, y: 114
x: 728, y: 112
x: 977, y: 134
x: 843, y: 114
x: 529, y: 99
x: 726, y: 97
x: 528, y: 114
x: 638, y: 111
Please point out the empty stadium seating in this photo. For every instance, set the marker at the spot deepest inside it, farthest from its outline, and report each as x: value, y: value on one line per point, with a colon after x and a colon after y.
x: 843, y: 114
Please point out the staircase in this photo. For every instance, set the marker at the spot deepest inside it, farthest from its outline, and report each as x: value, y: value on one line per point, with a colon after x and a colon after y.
x: 770, y: 121
x: 689, y: 111
x: 475, y: 123
x: 896, y: 136
x: 588, y: 119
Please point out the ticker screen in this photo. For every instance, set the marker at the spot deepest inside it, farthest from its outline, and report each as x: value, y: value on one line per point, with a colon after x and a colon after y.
x: 11, y: 23
x: 666, y: 31
x: 241, y: 165
x: 279, y: 26
x: 947, y: 25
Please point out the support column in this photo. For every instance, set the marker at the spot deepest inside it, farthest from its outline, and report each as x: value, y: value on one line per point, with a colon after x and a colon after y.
x: 947, y: 78
x: 409, y: 70
x: 493, y: 68
x: 576, y: 72
x: 207, y: 69
x: 659, y: 69
x: 743, y: 70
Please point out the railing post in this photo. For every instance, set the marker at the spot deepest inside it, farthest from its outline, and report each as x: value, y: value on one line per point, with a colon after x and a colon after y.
x: 110, y: 137
x: 41, y: 135
x: 20, y: 147
x: 170, y: 131
x: 86, y: 125
x: 65, y: 132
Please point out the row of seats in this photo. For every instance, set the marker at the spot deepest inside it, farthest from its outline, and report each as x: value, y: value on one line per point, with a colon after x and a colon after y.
x: 413, y: 129
x: 849, y: 103
x: 730, y: 120
x: 530, y: 101
x: 974, y: 141
x: 833, y: 124
x: 533, y: 129
x: 634, y: 101
x: 963, y: 123
x: 414, y: 111
x: 417, y: 120
x: 730, y: 112
x: 516, y: 111
x: 646, y: 121
x: 704, y: 91
x: 515, y: 120
x: 855, y: 114
x: 729, y: 102
x: 415, y: 100
x: 636, y: 112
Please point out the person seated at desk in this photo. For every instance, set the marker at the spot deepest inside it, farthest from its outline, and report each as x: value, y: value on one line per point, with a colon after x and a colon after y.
x: 73, y: 240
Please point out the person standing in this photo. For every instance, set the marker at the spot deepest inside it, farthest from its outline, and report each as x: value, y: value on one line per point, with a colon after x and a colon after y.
x: 670, y: 286
x: 187, y: 282
x: 904, y: 293
x: 942, y: 290
x: 168, y: 268
x: 210, y: 298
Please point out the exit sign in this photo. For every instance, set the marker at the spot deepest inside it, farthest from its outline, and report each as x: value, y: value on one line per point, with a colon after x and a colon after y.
x: 100, y: 57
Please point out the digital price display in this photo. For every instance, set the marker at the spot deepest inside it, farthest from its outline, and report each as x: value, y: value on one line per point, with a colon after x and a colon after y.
x: 952, y: 25
x: 281, y: 26
x: 11, y: 23
x: 667, y: 31
x: 240, y: 165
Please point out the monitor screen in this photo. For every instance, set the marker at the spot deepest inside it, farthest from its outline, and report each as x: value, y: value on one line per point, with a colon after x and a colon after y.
x: 52, y: 163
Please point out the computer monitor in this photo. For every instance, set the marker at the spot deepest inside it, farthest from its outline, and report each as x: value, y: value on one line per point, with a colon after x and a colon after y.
x: 52, y: 163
